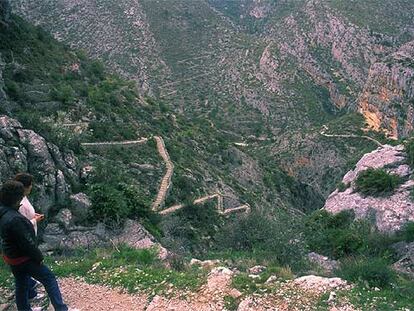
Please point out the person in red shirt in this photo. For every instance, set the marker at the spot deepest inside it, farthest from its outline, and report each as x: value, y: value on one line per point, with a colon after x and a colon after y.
x: 20, y: 249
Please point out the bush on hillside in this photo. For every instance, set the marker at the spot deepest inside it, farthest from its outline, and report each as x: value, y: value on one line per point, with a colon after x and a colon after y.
x: 113, y: 204
x: 409, y: 149
x: 375, y: 272
x: 191, y: 229
x: 276, y: 238
x: 339, y: 235
x: 377, y: 182
x: 407, y: 232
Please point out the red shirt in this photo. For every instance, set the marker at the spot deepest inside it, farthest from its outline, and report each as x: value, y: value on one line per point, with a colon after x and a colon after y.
x: 15, y: 261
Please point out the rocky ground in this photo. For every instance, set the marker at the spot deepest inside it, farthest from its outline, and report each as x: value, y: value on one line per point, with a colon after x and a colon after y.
x: 299, y: 294
x: 389, y: 212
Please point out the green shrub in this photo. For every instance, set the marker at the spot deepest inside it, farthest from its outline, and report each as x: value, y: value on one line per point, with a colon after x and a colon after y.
x: 112, y: 204
x: 377, y: 182
x: 407, y: 232
x: 409, y: 149
x: 342, y: 187
x: 108, y: 204
x: 276, y: 238
x: 375, y: 272
x: 338, y: 235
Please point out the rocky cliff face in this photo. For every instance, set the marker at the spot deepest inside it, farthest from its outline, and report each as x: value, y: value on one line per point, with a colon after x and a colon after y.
x: 389, y: 213
x: 2, y: 92
x: 5, y: 11
x: 388, y: 96
x: 22, y: 150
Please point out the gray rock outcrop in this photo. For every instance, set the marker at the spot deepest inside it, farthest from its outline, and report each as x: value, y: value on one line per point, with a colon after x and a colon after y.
x: 328, y: 266
x: 23, y: 150
x: 406, y: 263
x: 5, y: 11
x: 389, y: 213
x: 80, y: 206
x: 2, y: 92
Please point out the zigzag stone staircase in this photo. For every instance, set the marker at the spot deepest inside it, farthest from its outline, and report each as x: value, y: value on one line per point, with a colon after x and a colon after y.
x: 166, y: 180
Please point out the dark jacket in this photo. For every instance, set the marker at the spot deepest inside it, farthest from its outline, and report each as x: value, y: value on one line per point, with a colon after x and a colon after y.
x: 18, y: 236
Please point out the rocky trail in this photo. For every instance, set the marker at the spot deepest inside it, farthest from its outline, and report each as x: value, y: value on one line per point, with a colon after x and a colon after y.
x: 325, y: 128
x: 166, y: 180
x: 293, y: 295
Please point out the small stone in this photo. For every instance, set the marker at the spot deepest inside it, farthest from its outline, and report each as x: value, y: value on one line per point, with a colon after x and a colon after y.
x: 257, y: 269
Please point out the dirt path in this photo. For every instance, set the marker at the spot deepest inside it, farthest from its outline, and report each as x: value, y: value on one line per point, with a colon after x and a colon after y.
x: 87, y: 297
x: 117, y: 143
x: 220, y: 207
x: 325, y: 128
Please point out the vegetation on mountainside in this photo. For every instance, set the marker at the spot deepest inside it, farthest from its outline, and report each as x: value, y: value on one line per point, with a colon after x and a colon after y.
x: 339, y: 236
x: 377, y: 182
x: 365, y: 256
x: 409, y: 149
x: 51, y: 87
x: 377, y: 15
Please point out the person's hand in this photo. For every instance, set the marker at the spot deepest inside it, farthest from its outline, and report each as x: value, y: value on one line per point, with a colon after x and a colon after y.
x: 39, y: 217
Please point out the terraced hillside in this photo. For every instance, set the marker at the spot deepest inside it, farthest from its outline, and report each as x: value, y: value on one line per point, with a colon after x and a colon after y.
x: 256, y: 70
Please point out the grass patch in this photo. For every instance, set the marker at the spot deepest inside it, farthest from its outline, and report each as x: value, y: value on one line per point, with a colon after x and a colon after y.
x: 407, y: 232
x: 339, y: 236
x: 342, y: 187
x: 399, y: 297
x: 131, y: 269
x: 409, y: 149
x: 373, y: 272
x: 377, y: 182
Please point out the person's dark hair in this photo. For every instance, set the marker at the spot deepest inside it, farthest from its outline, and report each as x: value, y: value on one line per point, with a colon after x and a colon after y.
x: 25, y: 178
x: 11, y: 192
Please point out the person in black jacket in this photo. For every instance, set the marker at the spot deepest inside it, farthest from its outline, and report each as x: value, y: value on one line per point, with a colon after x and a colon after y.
x: 20, y: 249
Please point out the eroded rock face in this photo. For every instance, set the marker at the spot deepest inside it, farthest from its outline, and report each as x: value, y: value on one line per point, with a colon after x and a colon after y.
x: 2, y: 92
x: 389, y: 213
x: 5, y: 11
x: 23, y: 150
x: 388, y: 92
x: 406, y: 263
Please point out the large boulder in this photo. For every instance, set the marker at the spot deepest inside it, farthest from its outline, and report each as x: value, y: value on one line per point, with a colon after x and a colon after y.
x: 389, y: 213
x: 80, y: 206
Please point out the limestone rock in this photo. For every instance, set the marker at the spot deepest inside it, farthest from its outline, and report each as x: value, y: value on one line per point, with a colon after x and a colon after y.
x: 206, y: 264
x: 64, y: 217
x: 136, y: 236
x: 323, y: 262
x: 390, y: 84
x: 257, y: 269
x: 5, y: 11
x: 320, y: 284
x: 390, y: 213
x: 23, y: 150
x: 80, y: 206
x: 406, y: 263
x: 2, y: 92
x: 272, y: 279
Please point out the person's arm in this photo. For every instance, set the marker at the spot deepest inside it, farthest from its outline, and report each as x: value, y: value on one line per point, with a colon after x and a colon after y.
x: 26, y: 240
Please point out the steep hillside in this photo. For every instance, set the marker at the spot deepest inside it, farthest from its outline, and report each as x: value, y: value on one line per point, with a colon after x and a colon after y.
x: 108, y: 127
x: 256, y: 70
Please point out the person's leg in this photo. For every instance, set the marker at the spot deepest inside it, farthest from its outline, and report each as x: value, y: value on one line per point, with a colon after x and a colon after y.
x: 32, y: 288
x: 21, y: 278
x: 42, y: 274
